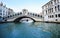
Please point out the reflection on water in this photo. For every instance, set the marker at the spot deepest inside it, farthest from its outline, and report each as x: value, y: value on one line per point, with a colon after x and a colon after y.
x: 32, y: 30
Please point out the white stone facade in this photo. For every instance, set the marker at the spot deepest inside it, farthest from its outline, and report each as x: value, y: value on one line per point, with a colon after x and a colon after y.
x: 51, y: 11
x: 25, y: 11
x: 4, y: 11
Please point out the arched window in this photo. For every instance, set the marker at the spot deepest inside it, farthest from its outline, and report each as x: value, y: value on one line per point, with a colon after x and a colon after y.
x: 58, y: 7
x: 55, y: 8
x: 55, y: 1
x: 58, y: 15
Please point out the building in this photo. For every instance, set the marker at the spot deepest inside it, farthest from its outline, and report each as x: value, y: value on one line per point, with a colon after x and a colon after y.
x: 4, y: 11
x: 51, y: 11
x: 10, y: 11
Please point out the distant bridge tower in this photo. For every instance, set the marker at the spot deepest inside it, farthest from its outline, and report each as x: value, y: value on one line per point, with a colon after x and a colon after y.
x: 25, y: 11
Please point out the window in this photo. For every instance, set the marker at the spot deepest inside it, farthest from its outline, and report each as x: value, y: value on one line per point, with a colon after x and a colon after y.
x: 58, y: 15
x: 52, y: 16
x: 51, y: 2
x: 55, y: 8
x: 30, y: 13
x: 52, y: 9
x: 46, y: 11
x: 49, y: 10
x: 58, y: 7
x: 35, y: 14
x: 3, y: 18
x: 10, y: 15
x: 38, y: 15
x: 55, y: 1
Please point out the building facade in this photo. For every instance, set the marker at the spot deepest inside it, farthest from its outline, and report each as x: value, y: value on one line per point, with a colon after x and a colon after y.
x: 10, y: 11
x: 4, y: 11
x: 51, y: 11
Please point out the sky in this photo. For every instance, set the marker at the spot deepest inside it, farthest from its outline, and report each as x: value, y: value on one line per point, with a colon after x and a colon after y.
x: 32, y: 5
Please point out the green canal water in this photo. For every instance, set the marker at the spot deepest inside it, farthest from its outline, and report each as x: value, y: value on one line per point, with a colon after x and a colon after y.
x: 29, y: 30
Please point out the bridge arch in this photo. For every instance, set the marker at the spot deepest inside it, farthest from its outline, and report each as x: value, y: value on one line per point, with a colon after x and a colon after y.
x: 19, y: 18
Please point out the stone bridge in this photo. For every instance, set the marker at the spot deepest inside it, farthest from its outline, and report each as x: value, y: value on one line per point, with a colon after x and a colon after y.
x: 25, y: 14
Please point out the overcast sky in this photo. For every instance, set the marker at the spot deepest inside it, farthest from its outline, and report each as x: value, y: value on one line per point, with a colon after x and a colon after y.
x: 31, y: 5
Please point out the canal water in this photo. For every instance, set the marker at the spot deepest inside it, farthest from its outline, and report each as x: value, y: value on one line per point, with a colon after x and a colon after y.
x: 29, y: 30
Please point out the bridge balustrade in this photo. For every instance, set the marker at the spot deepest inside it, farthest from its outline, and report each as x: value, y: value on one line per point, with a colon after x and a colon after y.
x: 20, y: 13
x: 32, y: 15
x: 14, y: 15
